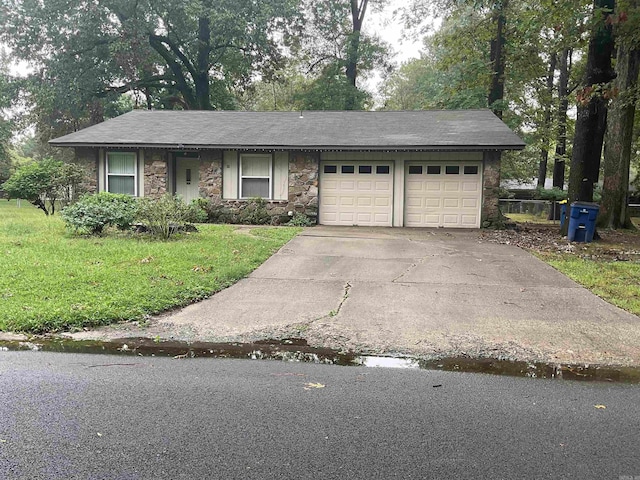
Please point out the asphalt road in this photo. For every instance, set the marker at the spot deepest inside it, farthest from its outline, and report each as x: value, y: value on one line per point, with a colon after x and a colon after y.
x: 66, y: 416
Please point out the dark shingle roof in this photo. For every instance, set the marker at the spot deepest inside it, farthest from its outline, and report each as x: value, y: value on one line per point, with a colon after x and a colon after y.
x: 352, y: 130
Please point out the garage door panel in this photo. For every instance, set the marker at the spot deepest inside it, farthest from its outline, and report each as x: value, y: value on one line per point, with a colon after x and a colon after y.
x: 436, y: 198
x: 330, y: 200
x: 361, y: 193
x: 449, y: 220
x: 382, y: 201
x: 413, y: 202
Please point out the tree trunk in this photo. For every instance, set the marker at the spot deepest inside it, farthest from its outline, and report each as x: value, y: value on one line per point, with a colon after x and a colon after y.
x: 546, y: 127
x: 201, y: 80
x: 496, y: 91
x: 619, y: 138
x: 357, y: 16
x: 564, y: 66
x: 592, y: 108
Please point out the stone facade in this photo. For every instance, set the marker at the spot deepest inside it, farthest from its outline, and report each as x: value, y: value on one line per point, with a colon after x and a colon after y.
x: 155, y: 173
x: 210, y: 183
x: 303, y: 183
x: 87, y: 158
x: 491, y: 215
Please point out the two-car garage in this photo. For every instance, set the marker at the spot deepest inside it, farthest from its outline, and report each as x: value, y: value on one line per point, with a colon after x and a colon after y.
x: 422, y: 193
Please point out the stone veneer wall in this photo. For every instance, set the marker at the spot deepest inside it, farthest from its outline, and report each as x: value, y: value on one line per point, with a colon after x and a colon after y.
x: 155, y: 173
x: 210, y: 183
x: 491, y: 215
x: 87, y: 158
x: 303, y: 183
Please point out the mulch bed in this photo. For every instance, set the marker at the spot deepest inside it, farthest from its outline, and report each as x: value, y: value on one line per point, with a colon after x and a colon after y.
x: 611, y: 246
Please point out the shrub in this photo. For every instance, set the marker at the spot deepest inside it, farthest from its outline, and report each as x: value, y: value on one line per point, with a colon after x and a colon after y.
x: 554, y: 194
x: 300, y: 220
x: 165, y: 216
x: 45, y: 182
x: 198, y: 211
x: 254, y: 212
x: 93, y: 213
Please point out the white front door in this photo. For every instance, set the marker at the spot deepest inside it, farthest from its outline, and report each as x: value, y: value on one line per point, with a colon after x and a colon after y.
x: 356, y: 193
x: 187, y: 178
x: 443, y: 194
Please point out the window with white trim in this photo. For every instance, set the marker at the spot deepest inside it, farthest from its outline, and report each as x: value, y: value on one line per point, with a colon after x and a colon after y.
x: 255, y: 176
x: 122, y: 173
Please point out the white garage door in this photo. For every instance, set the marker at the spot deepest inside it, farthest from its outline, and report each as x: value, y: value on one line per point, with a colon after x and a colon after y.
x: 443, y: 194
x: 356, y: 193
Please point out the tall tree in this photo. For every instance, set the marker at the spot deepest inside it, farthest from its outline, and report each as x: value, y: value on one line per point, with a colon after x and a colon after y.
x: 335, y: 52
x: 559, y: 161
x: 620, y: 121
x: 546, y: 126
x: 173, y: 54
x: 592, y: 106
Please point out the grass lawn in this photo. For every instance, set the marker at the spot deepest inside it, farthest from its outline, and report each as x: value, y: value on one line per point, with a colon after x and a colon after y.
x: 53, y: 281
x: 531, y: 218
x: 614, y: 281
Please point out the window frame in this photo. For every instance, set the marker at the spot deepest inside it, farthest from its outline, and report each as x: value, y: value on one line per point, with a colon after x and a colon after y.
x: 135, y: 174
x: 241, y: 176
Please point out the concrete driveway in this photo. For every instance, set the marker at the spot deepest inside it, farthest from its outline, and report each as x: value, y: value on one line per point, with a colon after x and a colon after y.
x: 414, y: 291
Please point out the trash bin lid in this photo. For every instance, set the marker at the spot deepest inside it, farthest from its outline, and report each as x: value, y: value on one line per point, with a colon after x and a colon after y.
x: 587, y: 205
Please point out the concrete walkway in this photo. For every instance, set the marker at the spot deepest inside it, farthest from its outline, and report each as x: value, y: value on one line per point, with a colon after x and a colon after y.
x: 414, y: 291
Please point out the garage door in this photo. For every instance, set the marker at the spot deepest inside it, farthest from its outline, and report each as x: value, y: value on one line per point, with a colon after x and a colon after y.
x: 356, y: 193
x: 443, y: 194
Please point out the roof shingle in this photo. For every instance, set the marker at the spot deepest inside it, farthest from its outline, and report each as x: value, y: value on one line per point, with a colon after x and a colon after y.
x: 337, y: 130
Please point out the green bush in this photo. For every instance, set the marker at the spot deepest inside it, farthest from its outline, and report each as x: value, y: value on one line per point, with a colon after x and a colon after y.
x: 554, y: 194
x: 93, y: 213
x: 254, y: 212
x: 46, y: 182
x: 198, y: 211
x: 165, y: 216
x: 300, y: 220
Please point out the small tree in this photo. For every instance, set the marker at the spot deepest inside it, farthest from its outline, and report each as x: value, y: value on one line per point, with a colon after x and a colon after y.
x: 46, y: 182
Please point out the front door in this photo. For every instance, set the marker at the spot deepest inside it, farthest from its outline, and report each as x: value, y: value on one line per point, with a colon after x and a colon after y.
x: 187, y: 178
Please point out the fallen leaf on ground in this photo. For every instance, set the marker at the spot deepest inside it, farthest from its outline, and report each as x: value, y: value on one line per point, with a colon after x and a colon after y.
x: 309, y: 386
x: 600, y: 407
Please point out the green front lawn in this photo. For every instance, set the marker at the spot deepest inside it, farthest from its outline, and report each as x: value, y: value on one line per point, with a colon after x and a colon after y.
x: 52, y: 281
x: 617, y: 282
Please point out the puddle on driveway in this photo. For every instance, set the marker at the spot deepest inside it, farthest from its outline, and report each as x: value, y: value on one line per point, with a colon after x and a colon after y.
x: 297, y: 350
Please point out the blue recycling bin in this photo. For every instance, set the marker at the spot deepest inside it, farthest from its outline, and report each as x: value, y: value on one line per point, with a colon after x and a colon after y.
x: 563, y: 214
x: 582, y: 221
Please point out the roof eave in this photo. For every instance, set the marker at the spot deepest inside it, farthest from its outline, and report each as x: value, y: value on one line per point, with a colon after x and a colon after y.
x: 351, y: 148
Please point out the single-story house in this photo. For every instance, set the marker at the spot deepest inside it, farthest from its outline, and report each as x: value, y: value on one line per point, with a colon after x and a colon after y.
x: 390, y: 168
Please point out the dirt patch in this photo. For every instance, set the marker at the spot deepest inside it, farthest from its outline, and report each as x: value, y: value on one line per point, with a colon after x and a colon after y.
x: 611, y: 246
